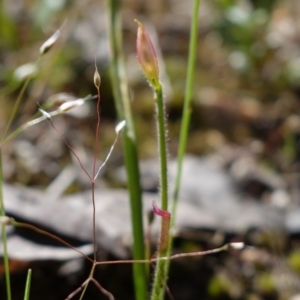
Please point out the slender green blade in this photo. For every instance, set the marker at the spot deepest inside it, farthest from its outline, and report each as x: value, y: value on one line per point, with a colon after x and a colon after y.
x: 121, y: 95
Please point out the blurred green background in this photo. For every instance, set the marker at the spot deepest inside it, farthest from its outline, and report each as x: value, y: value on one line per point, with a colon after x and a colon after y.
x: 247, y: 75
x: 246, y: 93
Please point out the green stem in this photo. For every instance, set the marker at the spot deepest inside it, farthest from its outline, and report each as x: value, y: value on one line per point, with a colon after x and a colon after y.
x: 160, y: 278
x: 8, y: 89
x: 161, y: 271
x: 122, y: 100
x: 3, y: 236
x: 189, y: 89
x: 27, y: 287
x: 15, y: 107
x: 162, y: 145
x: 86, y: 286
x: 184, y: 128
x: 12, y: 135
x: 2, y: 210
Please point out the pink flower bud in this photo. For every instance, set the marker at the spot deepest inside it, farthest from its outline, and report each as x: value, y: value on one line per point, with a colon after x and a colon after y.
x: 159, y: 212
x: 146, y: 55
x: 165, y: 227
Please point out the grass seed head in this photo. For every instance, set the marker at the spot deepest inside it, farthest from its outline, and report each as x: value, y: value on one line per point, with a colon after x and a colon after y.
x: 25, y: 71
x: 97, y: 78
x: 5, y: 220
x: 69, y: 105
x: 50, y: 42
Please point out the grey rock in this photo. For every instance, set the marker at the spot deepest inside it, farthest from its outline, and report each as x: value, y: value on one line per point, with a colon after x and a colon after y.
x: 208, y: 199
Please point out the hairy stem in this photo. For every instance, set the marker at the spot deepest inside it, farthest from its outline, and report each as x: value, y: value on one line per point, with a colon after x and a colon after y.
x: 162, y: 147
x: 161, y: 275
x: 184, y: 128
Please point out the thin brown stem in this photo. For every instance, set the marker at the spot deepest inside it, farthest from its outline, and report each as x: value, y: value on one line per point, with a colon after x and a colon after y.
x: 44, y: 232
x: 78, y: 290
x: 168, y: 291
x: 94, y: 172
x: 172, y: 257
x: 107, y: 156
x: 102, y: 289
x: 94, y: 220
x: 97, y: 134
x: 84, y: 286
x: 69, y: 146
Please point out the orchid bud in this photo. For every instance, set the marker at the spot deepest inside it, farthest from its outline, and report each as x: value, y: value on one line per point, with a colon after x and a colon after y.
x: 165, y: 227
x: 146, y: 55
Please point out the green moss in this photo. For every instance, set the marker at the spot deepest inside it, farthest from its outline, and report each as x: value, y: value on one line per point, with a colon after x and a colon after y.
x: 294, y: 261
x: 218, y: 285
x: 264, y: 283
